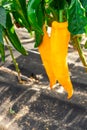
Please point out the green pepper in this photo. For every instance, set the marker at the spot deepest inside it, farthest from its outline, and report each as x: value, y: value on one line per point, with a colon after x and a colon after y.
x: 12, y: 36
x: 31, y: 11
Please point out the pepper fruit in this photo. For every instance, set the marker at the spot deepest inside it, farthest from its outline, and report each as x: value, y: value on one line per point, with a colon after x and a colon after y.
x: 31, y: 11
x: 12, y: 36
x: 60, y: 37
x: 45, y: 53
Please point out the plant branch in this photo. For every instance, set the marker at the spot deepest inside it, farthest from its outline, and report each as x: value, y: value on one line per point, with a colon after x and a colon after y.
x: 13, y: 59
x: 80, y: 52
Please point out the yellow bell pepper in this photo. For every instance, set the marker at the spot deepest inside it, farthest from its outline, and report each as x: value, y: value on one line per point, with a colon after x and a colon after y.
x: 60, y: 37
x: 45, y: 53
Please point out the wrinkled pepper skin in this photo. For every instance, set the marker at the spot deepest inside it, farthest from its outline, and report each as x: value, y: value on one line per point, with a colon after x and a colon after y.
x: 60, y: 37
x: 44, y: 49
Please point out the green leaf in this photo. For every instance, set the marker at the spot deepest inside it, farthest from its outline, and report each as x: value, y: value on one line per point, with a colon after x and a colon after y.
x: 69, y: 1
x: 1, y: 35
x: 7, y: 4
x: 38, y: 39
x: 86, y: 29
x: 4, y: 2
x: 46, y: 1
x: 13, y: 37
x: 17, y: 19
x: 77, y: 19
x: 2, y: 17
x: 85, y: 46
x: 2, y: 51
x: 84, y: 4
x: 41, y: 21
x: 21, y: 11
x: 58, y: 4
x: 20, y: 6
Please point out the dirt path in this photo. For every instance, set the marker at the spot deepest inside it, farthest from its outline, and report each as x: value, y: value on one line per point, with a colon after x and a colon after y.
x: 34, y: 106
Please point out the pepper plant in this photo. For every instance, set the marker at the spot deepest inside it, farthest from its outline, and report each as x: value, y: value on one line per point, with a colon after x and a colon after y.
x: 33, y: 15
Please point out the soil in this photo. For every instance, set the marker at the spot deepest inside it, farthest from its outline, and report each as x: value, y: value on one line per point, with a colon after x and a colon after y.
x: 32, y: 105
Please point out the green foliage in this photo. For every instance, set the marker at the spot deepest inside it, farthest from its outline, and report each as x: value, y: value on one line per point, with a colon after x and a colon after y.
x: 84, y: 4
x: 12, y: 36
x: 7, y: 4
x: 41, y: 20
x: 17, y: 8
x: 2, y: 26
x: 68, y: 1
x: 58, y: 4
x: 85, y: 45
x: 2, y: 17
x: 20, y: 13
x: 34, y: 13
x: 77, y: 18
x: 2, y: 51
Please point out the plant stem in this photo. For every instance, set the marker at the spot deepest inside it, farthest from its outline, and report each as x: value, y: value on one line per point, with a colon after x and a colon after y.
x: 13, y: 59
x: 60, y: 15
x: 80, y: 52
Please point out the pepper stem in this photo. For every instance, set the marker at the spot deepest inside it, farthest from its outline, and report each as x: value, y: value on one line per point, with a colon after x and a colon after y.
x: 13, y: 59
x: 80, y: 52
x: 61, y: 15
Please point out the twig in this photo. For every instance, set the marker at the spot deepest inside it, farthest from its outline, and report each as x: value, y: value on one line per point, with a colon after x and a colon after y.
x: 23, y: 77
x: 80, y: 52
x: 13, y: 59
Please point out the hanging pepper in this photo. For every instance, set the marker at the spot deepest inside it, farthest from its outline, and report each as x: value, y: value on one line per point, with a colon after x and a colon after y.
x: 60, y: 37
x: 45, y: 53
x: 12, y: 36
x: 31, y: 11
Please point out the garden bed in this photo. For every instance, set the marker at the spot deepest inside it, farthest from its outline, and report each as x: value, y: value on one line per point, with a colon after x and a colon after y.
x: 33, y: 106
